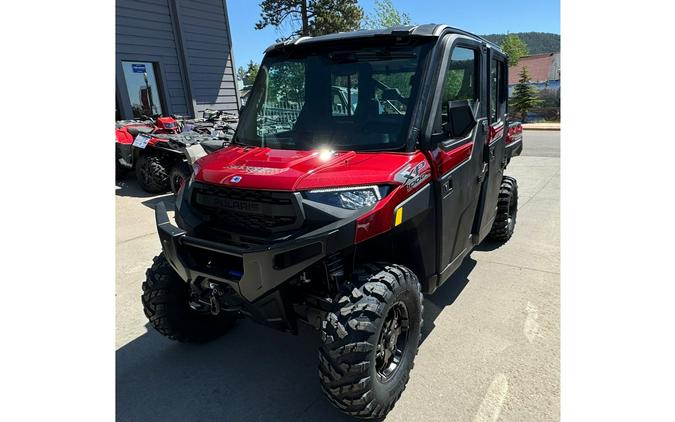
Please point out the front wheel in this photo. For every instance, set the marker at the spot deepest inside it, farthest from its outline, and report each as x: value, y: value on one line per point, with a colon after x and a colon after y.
x: 166, y: 303
x: 120, y: 171
x: 370, y: 341
x: 152, y: 174
x: 179, y: 174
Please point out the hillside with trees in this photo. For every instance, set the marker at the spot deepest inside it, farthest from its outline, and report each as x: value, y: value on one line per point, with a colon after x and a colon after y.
x: 537, y: 42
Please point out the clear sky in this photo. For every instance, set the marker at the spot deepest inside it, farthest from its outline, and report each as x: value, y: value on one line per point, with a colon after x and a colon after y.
x: 477, y: 16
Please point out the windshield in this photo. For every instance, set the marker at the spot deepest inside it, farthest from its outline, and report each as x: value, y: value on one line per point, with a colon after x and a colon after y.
x: 357, y: 99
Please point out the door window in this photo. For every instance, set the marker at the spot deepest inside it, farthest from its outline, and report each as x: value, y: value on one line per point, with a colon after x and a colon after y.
x: 142, y: 88
x: 345, y: 94
x: 497, y: 90
x: 461, y: 79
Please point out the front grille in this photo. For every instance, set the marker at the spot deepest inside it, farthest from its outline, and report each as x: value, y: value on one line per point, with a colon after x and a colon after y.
x: 243, y: 210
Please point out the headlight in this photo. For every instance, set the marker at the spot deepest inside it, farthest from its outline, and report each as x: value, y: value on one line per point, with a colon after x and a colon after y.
x: 351, y: 198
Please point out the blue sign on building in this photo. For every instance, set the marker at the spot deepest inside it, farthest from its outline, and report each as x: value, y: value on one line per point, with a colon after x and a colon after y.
x: 138, y: 68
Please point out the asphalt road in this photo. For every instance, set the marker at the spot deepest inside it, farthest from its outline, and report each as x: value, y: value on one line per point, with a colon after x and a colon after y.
x: 490, y: 351
x: 541, y: 143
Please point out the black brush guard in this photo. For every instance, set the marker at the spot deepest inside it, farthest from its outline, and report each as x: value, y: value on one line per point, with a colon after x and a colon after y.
x: 252, y: 271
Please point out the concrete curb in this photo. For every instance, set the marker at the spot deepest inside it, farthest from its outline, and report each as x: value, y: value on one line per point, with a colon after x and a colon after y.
x: 541, y: 127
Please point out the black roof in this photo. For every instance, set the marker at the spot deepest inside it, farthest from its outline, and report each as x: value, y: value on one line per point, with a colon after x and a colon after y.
x: 426, y: 30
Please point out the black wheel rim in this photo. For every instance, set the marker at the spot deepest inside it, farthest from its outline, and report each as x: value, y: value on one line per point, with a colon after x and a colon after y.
x: 393, y: 341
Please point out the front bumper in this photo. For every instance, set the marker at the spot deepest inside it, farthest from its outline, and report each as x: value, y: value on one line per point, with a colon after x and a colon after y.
x: 251, y: 271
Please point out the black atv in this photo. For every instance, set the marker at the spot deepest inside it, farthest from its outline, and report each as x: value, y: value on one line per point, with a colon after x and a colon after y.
x: 180, y: 151
x: 162, y: 160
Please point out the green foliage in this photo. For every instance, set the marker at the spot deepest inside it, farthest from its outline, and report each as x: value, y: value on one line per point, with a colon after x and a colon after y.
x: 385, y: 16
x: 335, y: 16
x: 286, y: 82
x: 310, y: 17
x: 247, y: 76
x: 514, y: 48
x: 524, y: 97
x: 537, y: 42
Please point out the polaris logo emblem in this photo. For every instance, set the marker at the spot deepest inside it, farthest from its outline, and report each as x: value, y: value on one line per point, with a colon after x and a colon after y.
x: 235, y: 179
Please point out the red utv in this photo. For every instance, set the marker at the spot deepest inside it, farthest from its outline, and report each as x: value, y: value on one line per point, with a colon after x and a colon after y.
x: 338, y: 216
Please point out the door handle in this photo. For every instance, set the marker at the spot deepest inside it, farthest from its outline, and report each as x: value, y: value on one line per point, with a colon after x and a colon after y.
x: 446, y: 188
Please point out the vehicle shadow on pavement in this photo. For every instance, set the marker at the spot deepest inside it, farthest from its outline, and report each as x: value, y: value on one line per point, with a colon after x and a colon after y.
x: 253, y: 373
x: 489, y: 245
x: 445, y: 295
x: 128, y: 186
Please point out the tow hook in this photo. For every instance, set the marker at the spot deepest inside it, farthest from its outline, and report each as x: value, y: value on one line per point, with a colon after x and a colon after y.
x: 214, y: 302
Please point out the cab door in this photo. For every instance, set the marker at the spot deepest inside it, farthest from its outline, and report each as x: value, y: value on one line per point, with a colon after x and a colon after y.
x: 495, y: 142
x: 457, y: 160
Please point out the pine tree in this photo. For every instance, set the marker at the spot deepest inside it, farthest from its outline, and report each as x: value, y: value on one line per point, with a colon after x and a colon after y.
x: 524, y: 96
x: 514, y: 48
x: 310, y: 17
x: 247, y: 75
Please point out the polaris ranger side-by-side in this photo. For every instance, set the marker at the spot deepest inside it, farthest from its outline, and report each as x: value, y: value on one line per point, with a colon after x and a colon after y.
x: 366, y: 166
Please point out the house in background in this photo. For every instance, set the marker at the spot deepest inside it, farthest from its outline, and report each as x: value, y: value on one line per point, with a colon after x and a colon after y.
x: 544, y: 70
x: 173, y: 57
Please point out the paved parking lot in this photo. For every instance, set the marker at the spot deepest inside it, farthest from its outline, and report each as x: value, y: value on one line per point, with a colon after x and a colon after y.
x: 490, y: 350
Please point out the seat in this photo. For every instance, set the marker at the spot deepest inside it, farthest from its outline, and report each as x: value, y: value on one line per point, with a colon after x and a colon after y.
x: 212, y: 145
x: 135, y: 130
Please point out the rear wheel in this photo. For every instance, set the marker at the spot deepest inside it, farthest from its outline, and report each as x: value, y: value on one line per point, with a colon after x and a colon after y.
x: 152, y: 174
x: 370, y: 341
x: 166, y: 303
x: 507, y: 210
x: 178, y: 175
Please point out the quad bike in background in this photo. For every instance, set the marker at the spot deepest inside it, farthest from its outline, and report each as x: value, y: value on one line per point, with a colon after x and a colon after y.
x: 176, y: 154
x: 161, y: 150
x: 126, y: 132
x: 212, y: 122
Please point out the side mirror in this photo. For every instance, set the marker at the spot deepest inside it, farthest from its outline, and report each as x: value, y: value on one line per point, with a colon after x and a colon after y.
x: 461, y: 120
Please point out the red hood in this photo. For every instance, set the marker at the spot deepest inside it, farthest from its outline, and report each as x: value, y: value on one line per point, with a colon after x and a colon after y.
x: 290, y: 170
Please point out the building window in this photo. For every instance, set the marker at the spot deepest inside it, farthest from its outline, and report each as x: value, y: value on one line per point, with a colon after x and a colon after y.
x: 144, y: 94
